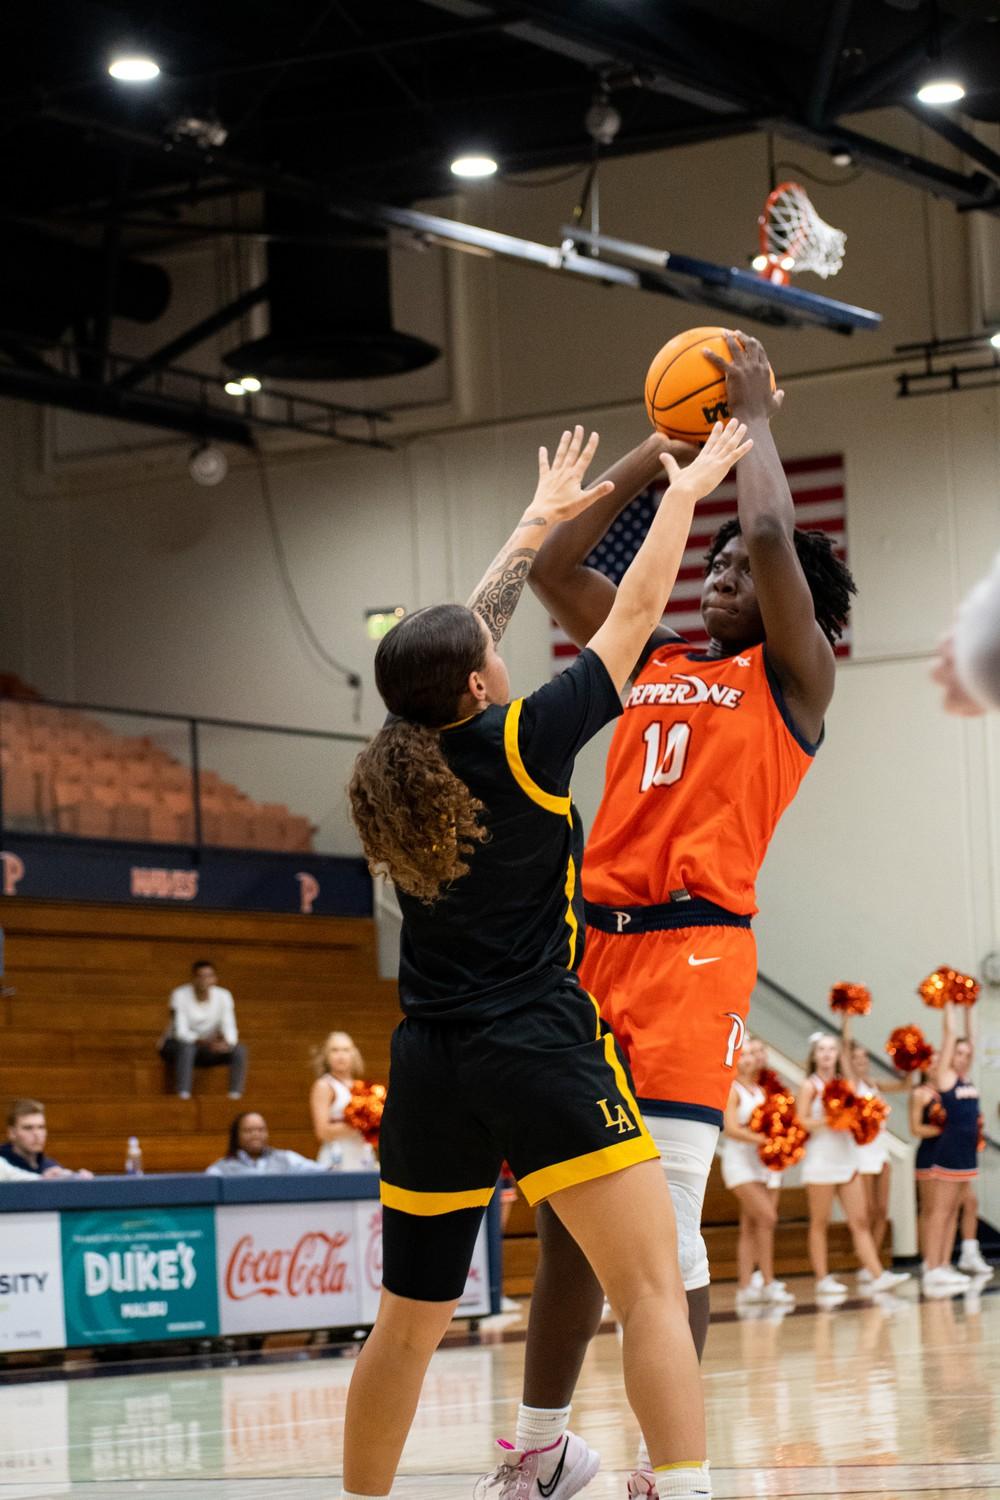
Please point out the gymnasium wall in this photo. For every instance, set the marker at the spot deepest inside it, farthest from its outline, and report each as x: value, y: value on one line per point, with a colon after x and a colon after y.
x: 121, y: 581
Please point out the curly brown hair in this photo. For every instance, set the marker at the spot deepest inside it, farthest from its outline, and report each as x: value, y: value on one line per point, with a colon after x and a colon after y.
x: 416, y: 818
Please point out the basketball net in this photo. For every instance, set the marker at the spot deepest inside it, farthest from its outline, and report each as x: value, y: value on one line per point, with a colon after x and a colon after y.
x: 794, y: 238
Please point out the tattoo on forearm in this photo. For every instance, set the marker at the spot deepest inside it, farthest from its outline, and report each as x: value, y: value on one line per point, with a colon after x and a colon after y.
x: 496, y: 597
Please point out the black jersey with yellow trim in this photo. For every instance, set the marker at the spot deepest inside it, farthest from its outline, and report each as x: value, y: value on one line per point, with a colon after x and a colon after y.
x: 500, y: 934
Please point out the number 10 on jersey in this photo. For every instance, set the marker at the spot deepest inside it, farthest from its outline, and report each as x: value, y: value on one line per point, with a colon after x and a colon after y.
x: 665, y: 755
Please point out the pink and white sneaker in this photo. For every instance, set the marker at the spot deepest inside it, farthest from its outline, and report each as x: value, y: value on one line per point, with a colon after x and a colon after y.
x: 517, y: 1478
x: 642, y: 1485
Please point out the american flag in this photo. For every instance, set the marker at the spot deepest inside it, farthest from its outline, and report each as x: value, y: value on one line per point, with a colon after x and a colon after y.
x: 817, y: 486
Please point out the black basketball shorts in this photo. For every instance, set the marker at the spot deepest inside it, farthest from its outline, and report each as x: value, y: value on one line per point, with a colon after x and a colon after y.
x: 545, y: 1088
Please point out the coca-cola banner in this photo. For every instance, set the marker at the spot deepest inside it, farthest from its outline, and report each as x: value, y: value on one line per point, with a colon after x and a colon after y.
x: 287, y: 1265
x: 476, y: 1297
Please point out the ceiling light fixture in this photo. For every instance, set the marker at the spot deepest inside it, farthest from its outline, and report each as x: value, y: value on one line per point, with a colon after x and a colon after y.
x: 208, y: 465
x: 234, y: 388
x: 841, y: 158
x: 133, y: 69
x: 473, y: 166
x: 250, y: 383
x: 941, y: 91
x: 995, y: 339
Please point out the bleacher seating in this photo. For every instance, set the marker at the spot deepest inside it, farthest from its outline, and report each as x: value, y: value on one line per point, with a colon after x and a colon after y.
x: 66, y: 772
x: 91, y: 987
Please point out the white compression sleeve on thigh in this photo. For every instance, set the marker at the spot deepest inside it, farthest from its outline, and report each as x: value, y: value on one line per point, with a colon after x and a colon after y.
x: 686, y: 1150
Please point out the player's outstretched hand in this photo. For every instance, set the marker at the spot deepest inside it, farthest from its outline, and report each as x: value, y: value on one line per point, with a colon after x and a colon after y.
x: 956, y: 699
x: 748, y: 378
x: 560, y: 494
x: 725, y: 446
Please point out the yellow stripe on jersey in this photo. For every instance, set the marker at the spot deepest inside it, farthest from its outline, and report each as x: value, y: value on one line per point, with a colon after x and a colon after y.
x: 547, y: 1180
x: 597, y: 1013
x: 427, y: 1205
x: 548, y: 800
x: 571, y: 921
x: 611, y: 1057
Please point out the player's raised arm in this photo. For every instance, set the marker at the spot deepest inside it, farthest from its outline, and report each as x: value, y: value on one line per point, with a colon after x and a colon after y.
x: 559, y: 496
x: 798, y: 650
x: 580, y: 598
x: 643, y: 592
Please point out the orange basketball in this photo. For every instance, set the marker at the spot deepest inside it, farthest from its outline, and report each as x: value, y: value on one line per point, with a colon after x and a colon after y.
x: 685, y: 394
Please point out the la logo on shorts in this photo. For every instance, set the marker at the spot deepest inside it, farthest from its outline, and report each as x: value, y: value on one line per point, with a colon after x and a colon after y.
x: 619, y: 1118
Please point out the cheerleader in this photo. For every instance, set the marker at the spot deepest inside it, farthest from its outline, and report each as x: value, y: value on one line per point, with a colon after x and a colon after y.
x: 753, y: 1185
x: 830, y: 1170
x: 873, y: 1159
x: 338, y: 1065
x: 956, y: 1162
x: 925, y: 1103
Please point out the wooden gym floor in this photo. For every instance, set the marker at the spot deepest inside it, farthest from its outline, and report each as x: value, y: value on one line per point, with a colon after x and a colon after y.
x: 896, y: 1400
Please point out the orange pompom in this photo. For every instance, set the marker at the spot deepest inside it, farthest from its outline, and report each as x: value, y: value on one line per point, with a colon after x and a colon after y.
x: 980, y: 1134
x: 769, y: 1081
x: 785, y: 1138
x: 948, y: 987
x: 869, y: 1117
x: 839, y: 1104
x: 363, y: 1111
x: 851, y: 999
x: 937, y: 1115
x: 908, y: 1049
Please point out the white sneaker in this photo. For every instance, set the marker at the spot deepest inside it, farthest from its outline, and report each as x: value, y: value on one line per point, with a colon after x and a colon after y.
x: 757, y: 1281
x: 886, y: 1282
x: 747, y: 1296
x: 829, y: 1286
x: 642, y: 1485
x: 941, y: 1281
x: 974, y: 1263
x: 576, y: 1467
x: 863, y: 1277
x: 508, y: 1305
x: 777, y: 1292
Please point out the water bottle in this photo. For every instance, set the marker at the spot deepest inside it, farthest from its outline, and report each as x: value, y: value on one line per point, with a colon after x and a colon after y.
x: 133, y: 1157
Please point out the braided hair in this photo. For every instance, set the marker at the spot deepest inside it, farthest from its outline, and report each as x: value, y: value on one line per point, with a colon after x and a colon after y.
x: 830, y: 581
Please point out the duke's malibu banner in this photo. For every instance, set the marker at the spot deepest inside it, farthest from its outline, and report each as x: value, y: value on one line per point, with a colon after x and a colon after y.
x: 287, y: 1265
x: 149, y: 1274
x: 31, y: 1298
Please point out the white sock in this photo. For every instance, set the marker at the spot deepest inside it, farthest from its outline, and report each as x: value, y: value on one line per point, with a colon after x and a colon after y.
x: 350, y: 1495
x: 540, y: 1427
x: 683, y: 1482
x: 972, y: 1245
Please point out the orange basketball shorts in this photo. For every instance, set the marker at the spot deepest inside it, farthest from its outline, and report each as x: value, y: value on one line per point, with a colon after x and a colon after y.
x: 678, y: 1001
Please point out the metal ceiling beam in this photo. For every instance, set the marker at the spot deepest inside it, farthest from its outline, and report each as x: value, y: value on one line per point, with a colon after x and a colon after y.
x: 831, y: 48
x: 892, y: 70
x: 191, y: 338
x: 99, y: 399
x: 956, y: 135
x: 973, y: 191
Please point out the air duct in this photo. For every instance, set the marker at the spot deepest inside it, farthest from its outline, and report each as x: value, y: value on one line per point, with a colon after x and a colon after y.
x: 48, y: 284
x: 330, y: 304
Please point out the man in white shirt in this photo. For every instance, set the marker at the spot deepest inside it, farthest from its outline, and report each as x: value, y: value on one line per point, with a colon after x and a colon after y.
x: 250, y: 1155
x: 203, y: 1031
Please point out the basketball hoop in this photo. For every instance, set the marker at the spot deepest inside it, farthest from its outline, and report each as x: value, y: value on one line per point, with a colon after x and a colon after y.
x: 794, y: 238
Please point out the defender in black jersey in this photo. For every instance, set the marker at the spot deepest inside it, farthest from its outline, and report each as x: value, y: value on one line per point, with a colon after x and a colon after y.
x: 463, y: 799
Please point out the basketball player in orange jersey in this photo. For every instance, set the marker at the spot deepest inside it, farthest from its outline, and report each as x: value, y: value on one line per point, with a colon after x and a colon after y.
x: 711, y: 748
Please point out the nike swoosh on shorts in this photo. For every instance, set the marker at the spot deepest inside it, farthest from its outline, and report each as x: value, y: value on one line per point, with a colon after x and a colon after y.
x: 696, y: 963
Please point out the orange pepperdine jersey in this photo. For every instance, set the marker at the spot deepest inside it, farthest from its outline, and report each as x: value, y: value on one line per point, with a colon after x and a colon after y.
x: 704, y: 761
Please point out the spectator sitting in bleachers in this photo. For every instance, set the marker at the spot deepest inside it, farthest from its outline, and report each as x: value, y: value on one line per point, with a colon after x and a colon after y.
x: 27, y: 1133
x: 249, y: 1154
x: 203, y: 1031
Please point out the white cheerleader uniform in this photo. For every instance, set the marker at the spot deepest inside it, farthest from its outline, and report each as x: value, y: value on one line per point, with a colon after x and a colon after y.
x: 873, y: 1157
x: 831, y: 1155
x: 350, y: 1152
x: 740, y: 1160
